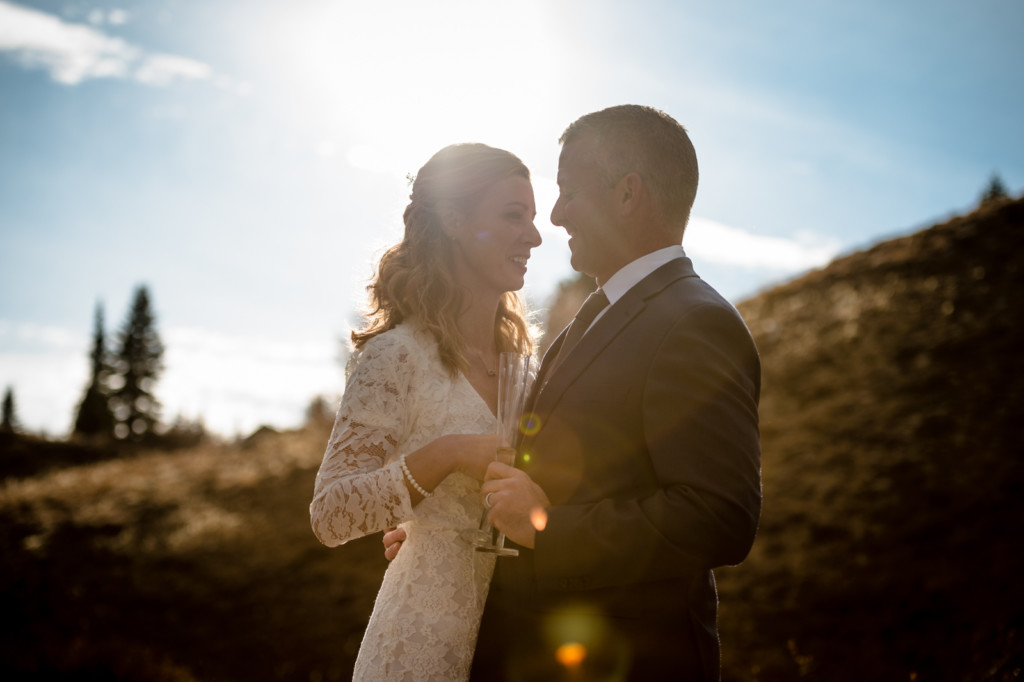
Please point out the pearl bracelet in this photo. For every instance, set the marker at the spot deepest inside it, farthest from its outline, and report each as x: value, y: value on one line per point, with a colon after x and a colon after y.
x: 412, y: 481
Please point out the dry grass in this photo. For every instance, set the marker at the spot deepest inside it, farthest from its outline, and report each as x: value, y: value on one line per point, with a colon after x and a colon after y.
x: 180, y: 566
x: 893, y: 460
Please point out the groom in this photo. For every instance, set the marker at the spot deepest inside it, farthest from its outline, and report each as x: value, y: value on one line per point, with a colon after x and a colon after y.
x: 640, y: 472
x: 644, y: 472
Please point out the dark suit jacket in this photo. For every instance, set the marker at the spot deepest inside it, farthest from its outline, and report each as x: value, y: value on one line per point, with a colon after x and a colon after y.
x: 646, y: 441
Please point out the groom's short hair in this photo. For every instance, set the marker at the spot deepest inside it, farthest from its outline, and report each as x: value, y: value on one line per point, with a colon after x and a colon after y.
x: 634, y: 138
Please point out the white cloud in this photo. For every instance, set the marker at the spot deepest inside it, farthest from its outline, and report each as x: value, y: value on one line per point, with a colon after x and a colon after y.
x: 73, y: 53
x: 48, y: 336
x: 161, y: 69
x: 117, y: 17
x: 47, y: 385
x: 732, y: 246
x: 234, y: 383
x: 240, y: 383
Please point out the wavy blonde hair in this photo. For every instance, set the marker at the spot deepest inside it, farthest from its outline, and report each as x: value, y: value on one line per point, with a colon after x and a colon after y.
x: 414, y: 277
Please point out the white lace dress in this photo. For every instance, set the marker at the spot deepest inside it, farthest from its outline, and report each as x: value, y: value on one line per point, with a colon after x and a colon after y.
x: 399, y: 397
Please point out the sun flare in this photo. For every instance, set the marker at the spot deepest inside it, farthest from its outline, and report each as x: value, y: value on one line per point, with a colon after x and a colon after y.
x: 384, y: 90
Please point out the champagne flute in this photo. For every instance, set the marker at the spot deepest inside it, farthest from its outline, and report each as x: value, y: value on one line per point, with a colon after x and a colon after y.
x: 514, y: 383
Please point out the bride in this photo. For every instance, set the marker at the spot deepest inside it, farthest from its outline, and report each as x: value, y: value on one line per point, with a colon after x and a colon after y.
x: 413, y: 436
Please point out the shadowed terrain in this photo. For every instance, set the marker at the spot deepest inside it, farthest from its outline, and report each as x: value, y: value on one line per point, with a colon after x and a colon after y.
x: 889, y: 546
x: 890, y: 543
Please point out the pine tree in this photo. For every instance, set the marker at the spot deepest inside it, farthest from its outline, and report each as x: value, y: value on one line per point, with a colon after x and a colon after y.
x: 996, y: 190
x: 137, y: 365
x: 94, y: 416
x: 8, y: 420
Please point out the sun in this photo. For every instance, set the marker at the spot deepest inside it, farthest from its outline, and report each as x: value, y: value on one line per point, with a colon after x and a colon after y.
x: 385, y: 86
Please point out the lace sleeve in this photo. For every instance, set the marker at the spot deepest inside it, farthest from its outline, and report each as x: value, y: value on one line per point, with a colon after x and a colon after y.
x: 355, y: 493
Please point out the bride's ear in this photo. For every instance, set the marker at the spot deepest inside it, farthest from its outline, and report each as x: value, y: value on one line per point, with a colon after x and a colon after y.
x: 449, y: 218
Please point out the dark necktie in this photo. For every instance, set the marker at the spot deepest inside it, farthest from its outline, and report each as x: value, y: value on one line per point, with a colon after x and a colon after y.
x: 594, y: 304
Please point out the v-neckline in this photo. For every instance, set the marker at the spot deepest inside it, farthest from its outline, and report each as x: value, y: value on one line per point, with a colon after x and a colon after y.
x: 478, y: 395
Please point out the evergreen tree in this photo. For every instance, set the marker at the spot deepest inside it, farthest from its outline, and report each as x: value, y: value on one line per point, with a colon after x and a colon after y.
x: 8, y: 420
x: 94, y: 416
x: 137, y: 365
x: 996, y: 190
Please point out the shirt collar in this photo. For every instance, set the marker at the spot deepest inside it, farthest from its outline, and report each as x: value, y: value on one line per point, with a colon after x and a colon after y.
x: 630, y: 275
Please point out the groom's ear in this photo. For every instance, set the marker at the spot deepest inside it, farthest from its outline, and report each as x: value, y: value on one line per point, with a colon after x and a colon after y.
x: 629, y: 192
x: 449, y: 218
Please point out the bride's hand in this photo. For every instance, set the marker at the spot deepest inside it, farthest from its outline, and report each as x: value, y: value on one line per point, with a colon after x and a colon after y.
x: 393, y: 539
x: 466, y: 453
x: 473, y: 453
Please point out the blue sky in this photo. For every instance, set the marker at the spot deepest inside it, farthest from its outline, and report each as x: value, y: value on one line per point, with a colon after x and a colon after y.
x: 247, y: 160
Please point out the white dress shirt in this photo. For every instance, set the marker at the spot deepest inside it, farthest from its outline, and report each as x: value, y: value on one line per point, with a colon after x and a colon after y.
x: 631, y: 274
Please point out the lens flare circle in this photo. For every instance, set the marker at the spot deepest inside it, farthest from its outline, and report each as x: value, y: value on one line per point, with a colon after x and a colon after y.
x: 571, y: 654
x: 529, y: 424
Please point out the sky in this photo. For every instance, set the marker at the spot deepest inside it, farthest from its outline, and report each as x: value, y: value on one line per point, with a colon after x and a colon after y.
x: 247, y: 161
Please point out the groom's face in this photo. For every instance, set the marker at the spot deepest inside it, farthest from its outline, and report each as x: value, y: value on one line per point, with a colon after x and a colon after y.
x: 586, y: 210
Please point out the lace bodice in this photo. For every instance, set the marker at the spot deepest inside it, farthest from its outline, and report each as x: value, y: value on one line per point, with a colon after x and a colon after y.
x: 399, y: 397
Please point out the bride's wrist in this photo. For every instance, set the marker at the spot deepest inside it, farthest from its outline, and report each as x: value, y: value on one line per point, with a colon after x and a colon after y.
x: 457, y: 456
x: 446, y: 454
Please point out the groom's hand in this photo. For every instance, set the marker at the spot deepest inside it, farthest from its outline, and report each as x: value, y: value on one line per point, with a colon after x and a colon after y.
x: 518, y: 506
x: 393, y: 540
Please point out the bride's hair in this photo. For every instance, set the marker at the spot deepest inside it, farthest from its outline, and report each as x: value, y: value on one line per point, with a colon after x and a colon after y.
x: 414, y: 277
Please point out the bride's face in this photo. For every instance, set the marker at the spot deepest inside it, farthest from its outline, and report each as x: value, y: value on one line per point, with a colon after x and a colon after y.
x: 492, y: 243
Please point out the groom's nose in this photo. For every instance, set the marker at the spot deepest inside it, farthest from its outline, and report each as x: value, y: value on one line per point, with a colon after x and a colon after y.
x: 557, y: 212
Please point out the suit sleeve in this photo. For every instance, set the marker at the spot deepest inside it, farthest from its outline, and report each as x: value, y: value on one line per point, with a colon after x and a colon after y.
x: 701, y: 439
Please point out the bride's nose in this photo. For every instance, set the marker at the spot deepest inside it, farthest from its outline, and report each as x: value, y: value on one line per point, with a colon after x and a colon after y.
x: 532, y: 236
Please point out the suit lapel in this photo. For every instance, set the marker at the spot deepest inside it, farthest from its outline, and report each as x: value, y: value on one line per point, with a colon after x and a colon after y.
x: 615, y: 319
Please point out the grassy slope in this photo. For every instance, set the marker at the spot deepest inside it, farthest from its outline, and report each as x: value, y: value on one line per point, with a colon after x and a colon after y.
x: 893, y: 461
x: 188, y: 566
x: 888, y: 549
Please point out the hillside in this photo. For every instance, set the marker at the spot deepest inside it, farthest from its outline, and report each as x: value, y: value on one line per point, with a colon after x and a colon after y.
x: 888, y: 549
x: 890, y: 545
x: 180, y: 566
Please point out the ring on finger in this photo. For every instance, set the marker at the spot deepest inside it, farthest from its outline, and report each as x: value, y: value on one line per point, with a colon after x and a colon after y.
x: 487, y: 499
